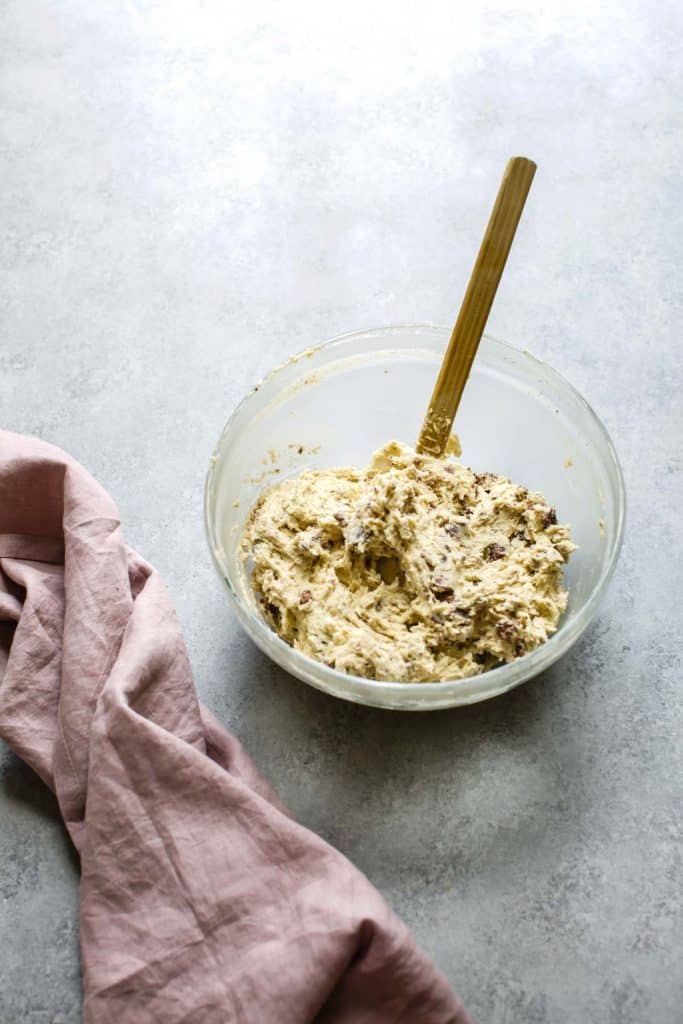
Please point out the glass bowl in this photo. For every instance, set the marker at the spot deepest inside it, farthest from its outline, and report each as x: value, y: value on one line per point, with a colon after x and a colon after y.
x: 335, y: 404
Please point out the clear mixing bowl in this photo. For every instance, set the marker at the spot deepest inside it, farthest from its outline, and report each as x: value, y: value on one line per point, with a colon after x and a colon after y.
x: 335, y: 404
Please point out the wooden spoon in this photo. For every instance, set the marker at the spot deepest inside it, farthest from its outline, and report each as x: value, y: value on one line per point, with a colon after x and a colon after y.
x: 476, y: 306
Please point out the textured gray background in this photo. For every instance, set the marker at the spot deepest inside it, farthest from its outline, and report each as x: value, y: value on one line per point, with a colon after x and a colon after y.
x: 190, y: 193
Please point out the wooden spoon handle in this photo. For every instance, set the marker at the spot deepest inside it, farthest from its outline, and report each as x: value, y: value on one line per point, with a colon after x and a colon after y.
x: 476, y: 305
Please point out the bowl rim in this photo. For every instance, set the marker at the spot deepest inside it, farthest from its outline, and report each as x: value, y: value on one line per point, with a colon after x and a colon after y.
x: 444, y: 693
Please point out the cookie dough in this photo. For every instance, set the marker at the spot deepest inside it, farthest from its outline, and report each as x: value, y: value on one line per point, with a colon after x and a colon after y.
x: 415, y: 569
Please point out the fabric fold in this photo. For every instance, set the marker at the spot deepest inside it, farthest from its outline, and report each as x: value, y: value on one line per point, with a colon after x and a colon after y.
x: 202, y: 900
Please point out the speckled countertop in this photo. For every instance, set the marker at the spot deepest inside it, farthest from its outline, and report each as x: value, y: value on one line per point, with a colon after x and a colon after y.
x: 192, y: 192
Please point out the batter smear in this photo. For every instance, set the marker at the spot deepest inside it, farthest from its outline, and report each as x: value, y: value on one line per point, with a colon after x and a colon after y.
x: 413, y: 570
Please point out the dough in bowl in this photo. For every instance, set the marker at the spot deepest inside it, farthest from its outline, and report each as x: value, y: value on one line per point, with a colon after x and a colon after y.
x: 415, y: 569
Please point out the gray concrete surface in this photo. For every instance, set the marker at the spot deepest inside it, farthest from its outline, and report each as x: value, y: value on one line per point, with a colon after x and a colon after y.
x: 191, y: 192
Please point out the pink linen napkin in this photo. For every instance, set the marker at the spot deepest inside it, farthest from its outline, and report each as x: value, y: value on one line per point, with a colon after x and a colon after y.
x: 202, y: 901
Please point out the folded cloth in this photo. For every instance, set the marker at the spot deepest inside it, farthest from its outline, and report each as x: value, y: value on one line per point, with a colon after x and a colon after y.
x: 202, y: 901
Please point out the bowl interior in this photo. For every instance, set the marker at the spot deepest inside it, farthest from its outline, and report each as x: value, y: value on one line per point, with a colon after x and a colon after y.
x: 337, y: 404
